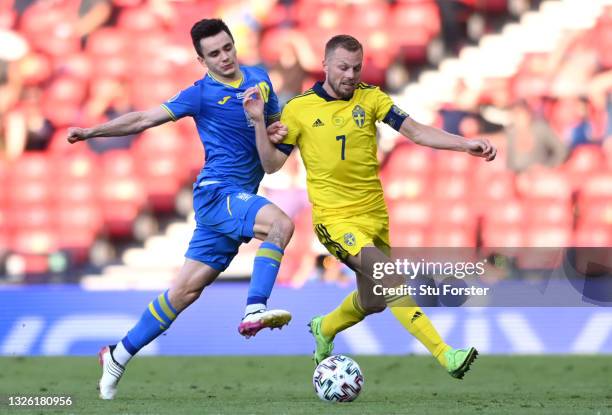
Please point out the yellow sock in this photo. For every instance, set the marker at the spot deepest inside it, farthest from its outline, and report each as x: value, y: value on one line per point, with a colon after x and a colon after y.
x: 419, y: 325
x: 347, y: 314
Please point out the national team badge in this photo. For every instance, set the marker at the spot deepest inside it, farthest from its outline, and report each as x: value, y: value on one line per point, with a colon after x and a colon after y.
x: 349, y: 239
x: 359, y: 116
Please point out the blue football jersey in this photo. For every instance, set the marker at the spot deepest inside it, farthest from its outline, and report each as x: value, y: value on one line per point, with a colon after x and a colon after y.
x: 225, y: 130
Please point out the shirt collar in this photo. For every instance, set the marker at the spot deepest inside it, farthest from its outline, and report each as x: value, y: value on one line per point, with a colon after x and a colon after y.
x: 320, y: 91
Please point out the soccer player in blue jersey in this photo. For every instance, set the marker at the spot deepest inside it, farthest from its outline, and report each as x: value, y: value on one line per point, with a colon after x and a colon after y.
x: 228, y: 210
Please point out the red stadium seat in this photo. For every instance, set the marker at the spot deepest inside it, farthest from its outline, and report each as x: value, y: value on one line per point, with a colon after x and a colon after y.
x: 115, y: 66
x: 34, y: 241
x: 407, y: 186
x: 592, y: 236
x: 117, y: 163
x: 121, y: 192
x: 76, y: 191
x: 162, y: 177
x: 548, y: 236
x: 497, y: 236
x: 30, y: 217
x: 410, y: 42
x: 492, y: 189
x: 548, y: 212
x: 455, y: 163
x: 505, y: 214
x: 459, y: 213
x: 158, y: 154
x: 28, y: 193
x: 77, y: 225
x: 451, y: 187
x: 144, y: 97
x: 66, y: 89
x: 122, y: 199
x: 415, y: 212
x: 76, y: 166
x: 595, y: 212
x: 34, y: 69
x: 407, y: 158
x: 598, y: 185
x: 61, y: 114
x: 452, y: 236
x: 408, y: 235
x: 545, y: 184
x: 107, y: 42
x: 75, y: 66
x: 583, y: 162
x: 369, y: 17
x: 417, y: 15
x: 139, y: 19
x: 272, y: 44
x: 30, y: 166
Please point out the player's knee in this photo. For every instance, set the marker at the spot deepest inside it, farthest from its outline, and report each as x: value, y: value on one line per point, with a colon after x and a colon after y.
x: 287, y: 225
x: 283, y: 225
x: 371, y: 304
x: 374, y: 308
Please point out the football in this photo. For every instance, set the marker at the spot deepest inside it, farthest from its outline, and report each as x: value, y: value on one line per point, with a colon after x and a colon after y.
x: 338, y: 379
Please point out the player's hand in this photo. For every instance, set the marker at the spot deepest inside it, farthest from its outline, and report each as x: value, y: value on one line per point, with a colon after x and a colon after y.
x: 277, y: 131
x: 76, y: 134
x: 481, y: 147
x: 253, y: 104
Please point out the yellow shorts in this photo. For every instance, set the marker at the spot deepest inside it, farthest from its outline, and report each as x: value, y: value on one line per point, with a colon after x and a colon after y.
x: 347, y: 236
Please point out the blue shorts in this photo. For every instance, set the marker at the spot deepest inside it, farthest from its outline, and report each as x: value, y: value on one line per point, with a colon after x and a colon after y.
x: 224, y: 220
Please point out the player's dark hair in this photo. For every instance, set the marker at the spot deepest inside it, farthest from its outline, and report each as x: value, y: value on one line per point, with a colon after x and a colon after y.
x: 342, y: 41
x: 207, y: 28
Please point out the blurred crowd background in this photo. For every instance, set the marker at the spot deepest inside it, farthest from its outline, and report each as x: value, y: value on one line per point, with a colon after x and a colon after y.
x: 118, y: 211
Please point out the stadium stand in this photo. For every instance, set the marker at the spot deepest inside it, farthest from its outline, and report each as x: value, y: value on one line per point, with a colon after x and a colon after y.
x: 58, y: 202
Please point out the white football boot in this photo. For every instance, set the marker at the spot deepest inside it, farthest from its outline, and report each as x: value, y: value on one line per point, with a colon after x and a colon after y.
x: 253, y: 322
x: 111, y: 373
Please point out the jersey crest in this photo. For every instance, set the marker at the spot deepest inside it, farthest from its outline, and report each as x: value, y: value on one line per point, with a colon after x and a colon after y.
x: 359, y: 116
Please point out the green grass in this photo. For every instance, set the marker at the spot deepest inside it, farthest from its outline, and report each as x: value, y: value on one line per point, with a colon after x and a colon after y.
x: 281, y: 385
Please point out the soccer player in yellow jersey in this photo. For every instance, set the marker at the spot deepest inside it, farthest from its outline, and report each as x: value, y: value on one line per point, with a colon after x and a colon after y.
x: 333, y: 124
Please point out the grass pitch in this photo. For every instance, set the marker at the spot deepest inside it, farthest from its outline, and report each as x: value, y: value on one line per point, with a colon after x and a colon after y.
x: 282, y: 385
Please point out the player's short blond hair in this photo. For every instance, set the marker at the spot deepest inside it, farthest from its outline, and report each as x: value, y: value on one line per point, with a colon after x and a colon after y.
x: 347, y: 42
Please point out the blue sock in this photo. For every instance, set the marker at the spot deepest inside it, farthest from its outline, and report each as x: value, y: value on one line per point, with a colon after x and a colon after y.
x: 265, y: 269
x: 158, y: 316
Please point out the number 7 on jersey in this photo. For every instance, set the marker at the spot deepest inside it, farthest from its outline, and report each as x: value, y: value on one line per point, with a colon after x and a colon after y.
x: 343, y: 138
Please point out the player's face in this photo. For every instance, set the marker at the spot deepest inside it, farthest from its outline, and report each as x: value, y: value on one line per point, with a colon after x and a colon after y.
x: 220, y: 55
x: 343, y: 71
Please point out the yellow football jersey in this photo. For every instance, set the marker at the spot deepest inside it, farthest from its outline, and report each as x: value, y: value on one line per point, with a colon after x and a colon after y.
x: 337, y: 142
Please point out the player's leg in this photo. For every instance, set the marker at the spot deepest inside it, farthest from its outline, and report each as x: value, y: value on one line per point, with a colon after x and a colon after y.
x: 409, y: 314
x: 244, y: 216
x: 341, y: 240
x: 274, y: 228
x: 324, y: 328
x: 193, y: 277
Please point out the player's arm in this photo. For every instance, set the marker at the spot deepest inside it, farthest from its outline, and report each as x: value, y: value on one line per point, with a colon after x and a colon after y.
x: 127, y: 124
x: 436, y: 138
x: 271, y: 158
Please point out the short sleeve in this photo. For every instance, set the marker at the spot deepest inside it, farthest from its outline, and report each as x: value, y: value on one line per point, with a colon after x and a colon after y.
x: 185, y: 103
x: 293, y: 130
x: 383, y: 104
x: 388, y: 112
x: 272, y: 107
x: 293, y: 127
